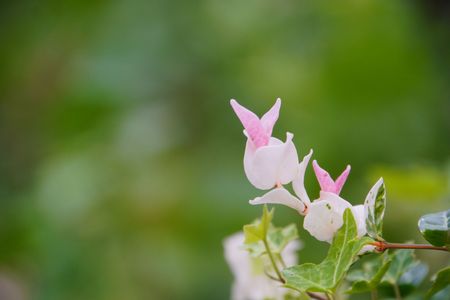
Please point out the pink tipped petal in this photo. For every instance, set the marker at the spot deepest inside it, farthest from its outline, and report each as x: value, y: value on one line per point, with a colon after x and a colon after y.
x: 270, y: 118
x: 324, y: 179
x: 280, y: 196
x: 298, y: 183
x: 340, y: 181
x: 252, y: 124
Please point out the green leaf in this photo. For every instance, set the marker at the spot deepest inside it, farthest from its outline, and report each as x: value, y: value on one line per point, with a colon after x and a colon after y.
x: 277, y: 237
x: 375, y: 205
x: 257, y: 231
x: 370, y: 276
x: 325, y: 276
x: 402, y: 260
x: 414, y: 275
x: 441, y: 282
x: 435, y: 228
x: 262, y: 229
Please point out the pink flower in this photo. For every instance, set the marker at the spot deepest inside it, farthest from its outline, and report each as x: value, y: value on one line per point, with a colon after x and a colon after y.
x: 327, y: 184
x: 268, y: 162
x: 324, y: 216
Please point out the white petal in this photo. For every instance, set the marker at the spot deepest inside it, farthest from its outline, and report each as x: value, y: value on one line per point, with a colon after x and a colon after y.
x: 268, y: 165
x: 358, y: 213
x: 289, y: 253
x: 298, y: 184
x: 280, y: 196
x: 236, y: 256
x: 324, y: 216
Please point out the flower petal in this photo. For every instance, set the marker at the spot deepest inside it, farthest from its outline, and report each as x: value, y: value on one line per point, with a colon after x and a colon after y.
x: 327, y: 184
x: 270, y: 118
x: 250, y: 282
x: 340, y: 181
x: 280, y: 196
x: 324, y: 178
x: 270, y: 165
x: 324, y: 216
x: 289, y: 253
x: 252, y: 124
x: 358, y: 213
x: 298, y: 183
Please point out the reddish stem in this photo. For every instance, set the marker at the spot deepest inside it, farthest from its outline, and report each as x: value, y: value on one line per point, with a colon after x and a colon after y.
x: 382, y: 246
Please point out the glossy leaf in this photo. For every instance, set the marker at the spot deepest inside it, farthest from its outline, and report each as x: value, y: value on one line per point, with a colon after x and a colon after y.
x: 325, y: 276
x: 441, y: 282
x: 435, y: 228
x: 370, y: 276
x: 374, y: 207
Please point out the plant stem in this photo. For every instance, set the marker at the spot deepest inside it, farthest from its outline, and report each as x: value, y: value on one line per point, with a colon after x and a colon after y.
x: 374, y: 294
x: 398, y: 295
x: 315, y: 296
x: 280, y: 258
x: 382, y: 246
x: 274, y: 264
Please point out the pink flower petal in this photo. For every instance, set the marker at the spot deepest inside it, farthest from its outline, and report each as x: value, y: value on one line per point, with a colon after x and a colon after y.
x: 270, y: 118
x: 325, y: 181
x: 253, y: 126
x: 340, y: 181
x: 327, y: 184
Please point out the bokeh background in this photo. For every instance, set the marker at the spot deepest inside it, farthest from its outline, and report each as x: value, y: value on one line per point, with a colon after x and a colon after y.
x: 121, y: 160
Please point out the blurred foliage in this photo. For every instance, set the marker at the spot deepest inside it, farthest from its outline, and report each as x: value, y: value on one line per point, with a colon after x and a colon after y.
x: 120, y: 159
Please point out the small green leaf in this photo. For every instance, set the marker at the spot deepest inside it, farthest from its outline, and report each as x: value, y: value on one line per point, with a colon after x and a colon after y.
x: 375, y: 205
x: 257, y: 231
x: 441, y: 282
x: 277, y: 237
x: 325, y: 276
x: 262, y: 229
x: 370, y: 276
x: 435, y: 228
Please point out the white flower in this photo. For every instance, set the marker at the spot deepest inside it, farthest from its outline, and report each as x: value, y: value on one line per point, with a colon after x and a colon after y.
x: 250, y: 281
x: 325, y: 216
x: 280, y: 195
x: 268, y: 162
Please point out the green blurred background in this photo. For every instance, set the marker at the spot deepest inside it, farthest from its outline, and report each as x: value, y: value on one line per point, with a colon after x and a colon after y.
x: 121, y: 160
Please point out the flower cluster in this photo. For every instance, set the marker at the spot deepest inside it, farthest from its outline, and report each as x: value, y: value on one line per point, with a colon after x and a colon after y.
x: 270, y: 164
x: 251, y: 281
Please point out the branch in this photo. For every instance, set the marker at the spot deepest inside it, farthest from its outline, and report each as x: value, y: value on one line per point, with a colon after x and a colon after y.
x: 382, y: 246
